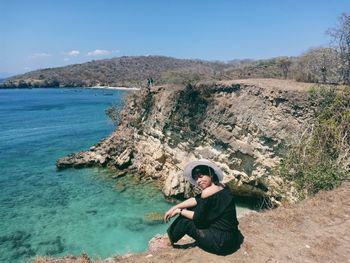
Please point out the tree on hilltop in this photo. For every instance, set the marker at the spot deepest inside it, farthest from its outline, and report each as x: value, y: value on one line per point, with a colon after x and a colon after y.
x: 318, y: 65
x: 284, y: 63
x: 341, y: 41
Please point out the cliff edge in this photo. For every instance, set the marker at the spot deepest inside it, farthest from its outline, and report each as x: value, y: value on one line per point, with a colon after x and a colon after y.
x: 315, y: 230
x: 244, y: 126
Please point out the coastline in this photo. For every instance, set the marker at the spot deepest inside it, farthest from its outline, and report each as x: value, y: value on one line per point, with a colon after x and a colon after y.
x: 113, y: 88
x: 94, y: 87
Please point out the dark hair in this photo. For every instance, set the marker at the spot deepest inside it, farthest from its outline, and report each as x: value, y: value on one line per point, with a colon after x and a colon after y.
x: 205, y: 170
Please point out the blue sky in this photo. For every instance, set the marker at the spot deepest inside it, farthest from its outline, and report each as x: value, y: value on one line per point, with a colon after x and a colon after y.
x: 48, y: 33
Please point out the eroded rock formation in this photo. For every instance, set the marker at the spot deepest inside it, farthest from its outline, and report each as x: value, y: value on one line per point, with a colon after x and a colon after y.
x: 244, y: 128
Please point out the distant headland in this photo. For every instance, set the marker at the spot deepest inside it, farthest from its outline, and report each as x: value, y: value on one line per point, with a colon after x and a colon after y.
x: 137, y: 71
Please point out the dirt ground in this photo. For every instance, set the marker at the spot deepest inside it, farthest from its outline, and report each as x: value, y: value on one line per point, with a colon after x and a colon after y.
x: 282, y: 84
x: 315, y: 230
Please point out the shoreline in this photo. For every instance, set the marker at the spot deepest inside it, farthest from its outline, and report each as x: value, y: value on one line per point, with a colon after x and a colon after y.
x: 94, y: 87
x: 113, y: 88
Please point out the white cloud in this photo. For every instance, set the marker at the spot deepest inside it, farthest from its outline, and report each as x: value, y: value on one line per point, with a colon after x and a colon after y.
x: 40, y: 55
x: 72, y: 53
x: 98, y: 52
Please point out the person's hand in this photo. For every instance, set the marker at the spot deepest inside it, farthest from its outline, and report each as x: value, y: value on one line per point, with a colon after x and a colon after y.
x: 171, y: 213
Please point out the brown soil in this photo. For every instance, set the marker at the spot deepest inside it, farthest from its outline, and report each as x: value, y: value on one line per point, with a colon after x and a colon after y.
x: 315, y: 230
x: 280, y: 84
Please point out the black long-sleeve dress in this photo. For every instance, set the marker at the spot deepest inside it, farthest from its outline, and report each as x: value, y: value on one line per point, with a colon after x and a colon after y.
x: 214, y: 225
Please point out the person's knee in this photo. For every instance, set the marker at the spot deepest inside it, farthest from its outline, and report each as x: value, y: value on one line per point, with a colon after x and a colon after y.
x: 187, y: 223
x: 179, y: 228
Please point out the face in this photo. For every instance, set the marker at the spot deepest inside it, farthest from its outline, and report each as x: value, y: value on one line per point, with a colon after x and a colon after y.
x: 203, y: 181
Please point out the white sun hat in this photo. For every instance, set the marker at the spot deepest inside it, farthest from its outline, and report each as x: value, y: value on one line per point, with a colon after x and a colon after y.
x: 190, y: 166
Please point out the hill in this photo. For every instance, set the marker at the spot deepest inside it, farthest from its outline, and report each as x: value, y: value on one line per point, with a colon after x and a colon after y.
x: 120, y: 71
x: 129, y: 71
x: 316, y: 65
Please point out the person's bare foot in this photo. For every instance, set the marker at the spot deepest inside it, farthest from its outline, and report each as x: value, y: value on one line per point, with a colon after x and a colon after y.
x: 166, y: 242
x: 159, y: 242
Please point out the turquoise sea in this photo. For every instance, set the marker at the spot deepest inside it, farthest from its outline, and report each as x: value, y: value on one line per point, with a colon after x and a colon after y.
x: 44, y: 211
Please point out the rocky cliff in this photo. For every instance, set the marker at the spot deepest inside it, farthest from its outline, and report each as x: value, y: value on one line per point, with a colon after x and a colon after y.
x: 243, y: 126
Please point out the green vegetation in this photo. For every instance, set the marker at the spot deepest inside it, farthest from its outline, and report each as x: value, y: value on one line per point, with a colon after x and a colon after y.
x: 320, y: 160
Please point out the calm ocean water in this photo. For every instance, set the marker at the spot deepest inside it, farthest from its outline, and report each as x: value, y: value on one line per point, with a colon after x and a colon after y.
x: 48, y: 212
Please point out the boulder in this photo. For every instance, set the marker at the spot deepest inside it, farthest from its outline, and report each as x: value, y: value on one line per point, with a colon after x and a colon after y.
x: 124, y: 159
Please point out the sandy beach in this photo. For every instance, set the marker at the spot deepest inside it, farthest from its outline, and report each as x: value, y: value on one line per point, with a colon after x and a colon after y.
x: 114, y: 88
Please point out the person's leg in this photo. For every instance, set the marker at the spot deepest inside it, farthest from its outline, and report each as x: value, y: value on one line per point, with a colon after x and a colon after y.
x: 183, y: 226
x: 180, y: 227
x: 205, y: 238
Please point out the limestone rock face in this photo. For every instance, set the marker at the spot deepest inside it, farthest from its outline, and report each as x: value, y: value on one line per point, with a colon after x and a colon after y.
x: 124, y: 159
x: 83, y: 159
x: 245, y: 128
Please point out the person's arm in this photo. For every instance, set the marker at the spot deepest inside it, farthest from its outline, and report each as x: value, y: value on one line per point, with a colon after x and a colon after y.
x: 191, y: 202
x: 178, y: 211
x: 187, y: 213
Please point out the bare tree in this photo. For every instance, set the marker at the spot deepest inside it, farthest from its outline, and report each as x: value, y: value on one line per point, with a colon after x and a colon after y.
x: 341, y: 40
x: 317, y: 65
x: 284, y: 63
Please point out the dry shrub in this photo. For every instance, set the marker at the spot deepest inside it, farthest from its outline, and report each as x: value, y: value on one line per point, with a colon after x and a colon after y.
x: 319, y: 160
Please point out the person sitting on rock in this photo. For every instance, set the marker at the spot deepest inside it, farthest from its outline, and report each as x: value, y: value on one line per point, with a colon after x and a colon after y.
x: 210, y: 217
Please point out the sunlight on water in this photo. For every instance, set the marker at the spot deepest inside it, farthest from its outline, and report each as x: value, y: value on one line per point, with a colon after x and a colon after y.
x: 44, y: 211
x: 48, y: 212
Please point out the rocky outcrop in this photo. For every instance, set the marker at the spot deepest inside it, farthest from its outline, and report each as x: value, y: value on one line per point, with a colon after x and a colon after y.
x: 244, y: 127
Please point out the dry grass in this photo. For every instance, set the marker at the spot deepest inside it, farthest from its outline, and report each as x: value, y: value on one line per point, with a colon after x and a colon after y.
x: 277, y: 84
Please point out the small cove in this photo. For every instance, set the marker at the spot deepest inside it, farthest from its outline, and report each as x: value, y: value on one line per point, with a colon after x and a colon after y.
x: 44, y: 211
